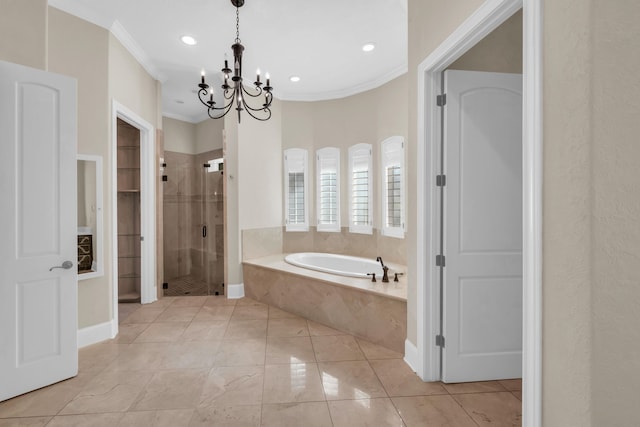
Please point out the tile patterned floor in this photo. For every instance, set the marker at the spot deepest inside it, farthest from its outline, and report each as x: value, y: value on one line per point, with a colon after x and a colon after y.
x: 209, y: 361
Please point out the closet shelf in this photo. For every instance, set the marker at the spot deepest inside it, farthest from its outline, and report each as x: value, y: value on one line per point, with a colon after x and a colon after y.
x: 129, y: 257
x: 129, y: 191
x: 129, y: 276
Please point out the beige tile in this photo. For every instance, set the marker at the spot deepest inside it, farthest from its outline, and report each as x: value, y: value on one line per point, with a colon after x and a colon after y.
x: 171, y: 418
x: 219, y: 300
x: 140, y: 357
x: 350, y: 380
x: 336, y: 348
x: 309, y: 414
x: 236, y: 385
x: 399, y: 380
x: 25, y: 422
x: 212, y: 313
x: 250, y: 312
x: 276, y: 313
x: 365, y: 412
x: 162, y: 332
x: 189, y: 301
x: 93, y: 420
x: 317, y: 329
x: 512, y: 385
x: 246, y: 328
x: 241, y: 353
x: 163, y: 302
x: 128, y: 332
x: 375, y: 352
x: 289, y: 350
x: 205, y: 331
x: 45, y: 401
x: 249, y: 301
x: 227, y: 416
x: 443, y: 410
x: 190, y: 355
x: 144, y: 315
x: 178, y: 389
x: 492, y: 409
x: 287, y: 328
x: 97, y: 357
x: 178, y: 314
x: 108, y: 392
x: 296, y: 382
x: 474, y: 387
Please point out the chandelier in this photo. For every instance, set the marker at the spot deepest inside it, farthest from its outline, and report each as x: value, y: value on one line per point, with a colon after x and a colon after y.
x: 234, y: 91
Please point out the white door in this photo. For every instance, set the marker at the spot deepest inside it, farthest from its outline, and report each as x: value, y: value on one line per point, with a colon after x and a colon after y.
x: 483, y: 226
x: 38, y: 305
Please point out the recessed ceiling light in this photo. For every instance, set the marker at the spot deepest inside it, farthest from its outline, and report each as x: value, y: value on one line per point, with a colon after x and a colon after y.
x: 294, y: 79
x: 188, y: 40
x: 368, y: 47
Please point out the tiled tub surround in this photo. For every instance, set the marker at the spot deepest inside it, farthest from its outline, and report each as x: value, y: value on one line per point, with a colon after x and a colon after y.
x: 376, y: 312
x: 260, y: 242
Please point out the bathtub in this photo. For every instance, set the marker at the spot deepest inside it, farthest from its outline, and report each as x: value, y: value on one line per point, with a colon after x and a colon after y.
x: 342, y: 265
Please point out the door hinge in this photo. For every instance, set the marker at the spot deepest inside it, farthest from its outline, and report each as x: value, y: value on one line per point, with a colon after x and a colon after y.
x: 441, y: 180
x: 439, y: 260
x: 440, y: 341
x: 441, y: 100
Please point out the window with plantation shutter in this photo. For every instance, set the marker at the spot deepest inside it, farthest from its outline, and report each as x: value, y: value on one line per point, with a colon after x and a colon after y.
x: 296, y: 190
x: 360, y: 189
x: 392, y: 159
x: 328, y: 189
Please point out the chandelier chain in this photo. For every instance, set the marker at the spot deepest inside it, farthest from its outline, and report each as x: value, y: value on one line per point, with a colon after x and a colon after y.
x: 237, y: 24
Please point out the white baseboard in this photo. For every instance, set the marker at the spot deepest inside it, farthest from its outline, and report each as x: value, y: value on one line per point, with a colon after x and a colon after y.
x: 95, y: 334
x: 411, y: 355
x: 235, y: 291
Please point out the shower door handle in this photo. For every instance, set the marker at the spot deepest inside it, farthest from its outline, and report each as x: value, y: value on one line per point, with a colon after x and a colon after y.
x: 204, y: 231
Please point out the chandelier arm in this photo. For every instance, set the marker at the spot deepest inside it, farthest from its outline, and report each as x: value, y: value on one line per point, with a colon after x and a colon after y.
x: 226, y: 109
x: 249, y: 93
x: 249, y: 111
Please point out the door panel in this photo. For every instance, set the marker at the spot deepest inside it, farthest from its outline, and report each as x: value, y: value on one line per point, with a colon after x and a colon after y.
x: 38, y: 305
x: 483, y: 226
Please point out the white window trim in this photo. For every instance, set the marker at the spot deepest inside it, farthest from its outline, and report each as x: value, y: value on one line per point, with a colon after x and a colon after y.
x: 358, y: 151
x: 291, y: 157
x: 392, y: 152
x: 327, y: 154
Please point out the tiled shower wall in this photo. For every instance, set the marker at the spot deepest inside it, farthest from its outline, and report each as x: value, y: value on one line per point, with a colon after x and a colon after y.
x: 187, y: 207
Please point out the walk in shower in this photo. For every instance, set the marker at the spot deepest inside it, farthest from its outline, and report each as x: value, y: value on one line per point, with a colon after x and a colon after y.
x: 193, y: 223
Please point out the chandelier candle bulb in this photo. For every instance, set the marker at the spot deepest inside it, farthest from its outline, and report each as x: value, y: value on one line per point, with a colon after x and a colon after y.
x: 202, y: 75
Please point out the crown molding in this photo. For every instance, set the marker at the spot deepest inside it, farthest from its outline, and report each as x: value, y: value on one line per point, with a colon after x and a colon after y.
x: 343, y: 93
x: 123, y: 36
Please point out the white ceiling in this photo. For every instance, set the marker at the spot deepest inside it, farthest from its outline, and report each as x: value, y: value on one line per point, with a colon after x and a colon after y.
x: 319, y: 41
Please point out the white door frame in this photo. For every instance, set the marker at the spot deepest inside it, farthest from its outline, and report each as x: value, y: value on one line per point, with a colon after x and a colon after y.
x: 148, y: 286
x: 485, y: 19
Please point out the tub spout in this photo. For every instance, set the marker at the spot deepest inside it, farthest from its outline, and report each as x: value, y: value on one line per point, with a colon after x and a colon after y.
x: 385, y: 270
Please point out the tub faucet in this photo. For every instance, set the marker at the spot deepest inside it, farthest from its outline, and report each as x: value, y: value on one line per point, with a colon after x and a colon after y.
x: 385, y: 270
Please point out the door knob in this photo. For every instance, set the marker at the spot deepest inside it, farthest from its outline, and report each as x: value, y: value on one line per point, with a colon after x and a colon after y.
x: 66, y: 265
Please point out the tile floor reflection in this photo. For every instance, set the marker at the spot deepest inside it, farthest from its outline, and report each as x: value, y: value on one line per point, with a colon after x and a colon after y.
x: 209, y: 361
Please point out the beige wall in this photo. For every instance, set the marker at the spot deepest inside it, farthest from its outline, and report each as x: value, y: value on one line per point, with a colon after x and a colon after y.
x: 208, y: 135
x: 131, y: 85
x: 179, y: 136
x: 80, y: 49
x: 23, y: 32
x: 499, y: 52
x: 615, y: 211
x: 368, y: 117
